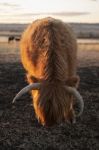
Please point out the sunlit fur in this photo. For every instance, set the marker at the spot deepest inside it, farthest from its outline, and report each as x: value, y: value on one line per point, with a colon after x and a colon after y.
x: 49, y: 55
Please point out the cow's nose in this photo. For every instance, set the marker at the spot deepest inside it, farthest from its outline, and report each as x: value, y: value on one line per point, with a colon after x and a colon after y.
x: 73, y: 120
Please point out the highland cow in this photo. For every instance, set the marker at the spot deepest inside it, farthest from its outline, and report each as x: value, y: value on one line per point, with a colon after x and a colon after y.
x: 49, y: 55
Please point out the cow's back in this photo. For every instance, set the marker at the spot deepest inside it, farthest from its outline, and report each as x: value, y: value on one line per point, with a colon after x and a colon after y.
x: 44, y: 39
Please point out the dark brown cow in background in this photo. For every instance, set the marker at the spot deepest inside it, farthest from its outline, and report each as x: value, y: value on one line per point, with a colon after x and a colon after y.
x: 17, y: 39
x: 49, y: 55
x: 11, y: 38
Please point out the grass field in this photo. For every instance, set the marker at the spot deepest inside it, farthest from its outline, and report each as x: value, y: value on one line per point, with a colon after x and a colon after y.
x: 19, y: 128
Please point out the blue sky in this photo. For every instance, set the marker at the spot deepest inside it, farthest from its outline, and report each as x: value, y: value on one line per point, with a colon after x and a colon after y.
x: 25, y: 11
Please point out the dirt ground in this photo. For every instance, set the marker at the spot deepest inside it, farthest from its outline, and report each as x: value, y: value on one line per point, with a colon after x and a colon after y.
x: 19, y: 129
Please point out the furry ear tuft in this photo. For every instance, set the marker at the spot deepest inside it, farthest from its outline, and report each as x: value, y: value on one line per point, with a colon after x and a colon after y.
x: 73, y: 81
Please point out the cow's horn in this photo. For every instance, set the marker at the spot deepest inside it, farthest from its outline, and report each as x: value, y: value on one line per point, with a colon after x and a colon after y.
x: 78, y: 97
x: 32, y: 86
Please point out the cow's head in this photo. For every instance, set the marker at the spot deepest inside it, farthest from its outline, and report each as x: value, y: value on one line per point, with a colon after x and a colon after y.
x: 53, y: 103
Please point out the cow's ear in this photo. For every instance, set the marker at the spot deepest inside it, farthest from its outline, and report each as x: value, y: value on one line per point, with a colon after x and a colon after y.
x: 73, y: 81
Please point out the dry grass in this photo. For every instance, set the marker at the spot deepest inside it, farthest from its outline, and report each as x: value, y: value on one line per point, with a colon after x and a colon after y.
x: 9, y: 48
x: 9, y: 52
x: 88, y: 46
x: 88, y: 54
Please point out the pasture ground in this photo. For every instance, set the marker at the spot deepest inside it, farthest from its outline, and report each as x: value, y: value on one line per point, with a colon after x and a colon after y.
x: 19, y: 129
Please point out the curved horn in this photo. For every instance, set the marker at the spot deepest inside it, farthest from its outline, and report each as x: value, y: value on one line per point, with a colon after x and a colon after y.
x: 32, y: 86
x: 78, y: 97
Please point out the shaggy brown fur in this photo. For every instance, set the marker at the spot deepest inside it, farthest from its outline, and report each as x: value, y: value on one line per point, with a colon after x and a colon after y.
x: 49, y: 55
